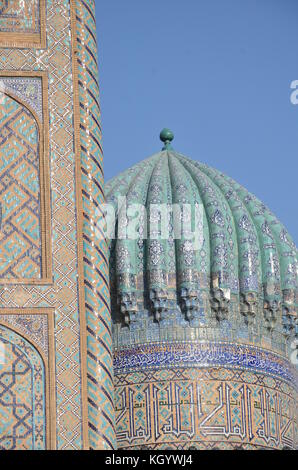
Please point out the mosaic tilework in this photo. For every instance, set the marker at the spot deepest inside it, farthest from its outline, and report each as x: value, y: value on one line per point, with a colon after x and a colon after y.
x: 204, y: 408
x: 20, y: 237
x: 22, y: 394
x: 97, y: 296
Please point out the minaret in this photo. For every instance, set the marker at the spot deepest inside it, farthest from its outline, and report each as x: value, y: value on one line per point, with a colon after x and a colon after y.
x: 54, y: 296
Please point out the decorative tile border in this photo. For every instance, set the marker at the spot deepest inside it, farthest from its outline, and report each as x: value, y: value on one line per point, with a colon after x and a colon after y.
x: 187, y: 354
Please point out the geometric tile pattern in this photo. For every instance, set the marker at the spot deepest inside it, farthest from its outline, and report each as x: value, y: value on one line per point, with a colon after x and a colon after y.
x: 204, y: 409
x: 97, y: 295
x: 20, y: 237
x: 22, y: 394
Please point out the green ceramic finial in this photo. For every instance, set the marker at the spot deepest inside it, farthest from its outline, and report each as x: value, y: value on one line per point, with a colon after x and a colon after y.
x: 166, y: 136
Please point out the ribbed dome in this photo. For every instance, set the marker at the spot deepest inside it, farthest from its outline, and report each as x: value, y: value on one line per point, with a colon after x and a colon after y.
x: 243, y: 252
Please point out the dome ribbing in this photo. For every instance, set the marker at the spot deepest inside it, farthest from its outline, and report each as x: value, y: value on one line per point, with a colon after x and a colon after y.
x: 243, y: 254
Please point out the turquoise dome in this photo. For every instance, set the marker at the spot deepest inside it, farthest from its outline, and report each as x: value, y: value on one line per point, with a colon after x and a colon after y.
x: 240, y: 277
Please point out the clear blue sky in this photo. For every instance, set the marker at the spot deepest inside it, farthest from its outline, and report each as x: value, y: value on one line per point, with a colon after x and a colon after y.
x: 218, y: 73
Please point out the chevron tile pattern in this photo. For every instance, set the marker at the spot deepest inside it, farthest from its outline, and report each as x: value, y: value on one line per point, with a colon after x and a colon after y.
x: 97, y: 297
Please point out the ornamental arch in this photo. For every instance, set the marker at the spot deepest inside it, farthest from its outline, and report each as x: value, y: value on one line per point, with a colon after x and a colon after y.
x: 23, y: 384
x: 24, y: 195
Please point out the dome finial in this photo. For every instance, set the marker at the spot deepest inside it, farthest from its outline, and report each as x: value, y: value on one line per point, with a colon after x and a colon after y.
x: 166, y: 136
